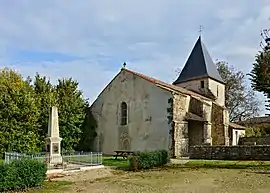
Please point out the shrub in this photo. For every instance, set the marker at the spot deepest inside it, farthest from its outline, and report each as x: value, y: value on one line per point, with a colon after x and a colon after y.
x: 22, y: 174
x: 148, y: 159
x: 3, y: 174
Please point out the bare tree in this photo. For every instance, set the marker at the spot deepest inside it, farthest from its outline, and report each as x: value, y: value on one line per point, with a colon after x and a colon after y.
x: 240, y: 99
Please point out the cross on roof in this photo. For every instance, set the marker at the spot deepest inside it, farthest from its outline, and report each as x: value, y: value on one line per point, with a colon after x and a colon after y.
x: 200, y: 30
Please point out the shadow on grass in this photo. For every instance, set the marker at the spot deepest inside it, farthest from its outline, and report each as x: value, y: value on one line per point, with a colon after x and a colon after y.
x: 53, y: 186
x: 260, y: 172
x: 119, y: 164
x: 123, y: 164
x: 222, y: 164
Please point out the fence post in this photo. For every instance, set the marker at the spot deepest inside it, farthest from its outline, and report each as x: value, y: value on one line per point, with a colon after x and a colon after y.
x: 91, y: 160
x: 101, y: 158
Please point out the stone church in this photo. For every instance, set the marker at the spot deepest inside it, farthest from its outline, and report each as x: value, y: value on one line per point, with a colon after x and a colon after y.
x: 136, y: 112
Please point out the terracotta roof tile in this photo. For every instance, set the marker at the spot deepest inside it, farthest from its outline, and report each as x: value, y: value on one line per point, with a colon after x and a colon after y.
x: 255, y: 120
x: 236, y: 126
x: 167, y: 86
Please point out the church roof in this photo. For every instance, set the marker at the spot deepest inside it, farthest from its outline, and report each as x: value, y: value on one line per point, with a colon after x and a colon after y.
x: 199, y: 65
x: 167, y: 86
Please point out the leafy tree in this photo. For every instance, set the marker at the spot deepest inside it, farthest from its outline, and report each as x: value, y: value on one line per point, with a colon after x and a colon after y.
x: 240, y: 100
x: 18, y: 114
x: 45, y: 99
x: 24, y: 113
x: 88, y: 132
x: 71, y: 112
x: 260, y: 74
x: 253, y: 132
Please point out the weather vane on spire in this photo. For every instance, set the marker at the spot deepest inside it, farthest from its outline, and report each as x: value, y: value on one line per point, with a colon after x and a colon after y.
x: 200, y: 30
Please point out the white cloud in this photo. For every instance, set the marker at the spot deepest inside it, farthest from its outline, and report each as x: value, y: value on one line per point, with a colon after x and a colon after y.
x: 154, y: 37
x: 231, y: 13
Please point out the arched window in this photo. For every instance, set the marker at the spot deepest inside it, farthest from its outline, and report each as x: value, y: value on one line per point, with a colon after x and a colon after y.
x: 123, y: 113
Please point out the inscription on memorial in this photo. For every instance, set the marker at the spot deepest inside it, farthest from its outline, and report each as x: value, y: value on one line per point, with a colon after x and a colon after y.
x: 55, y: 148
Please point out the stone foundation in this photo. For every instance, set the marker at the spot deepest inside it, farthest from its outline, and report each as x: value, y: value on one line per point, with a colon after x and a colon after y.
x: 243, y: 152
x: 181, y: 148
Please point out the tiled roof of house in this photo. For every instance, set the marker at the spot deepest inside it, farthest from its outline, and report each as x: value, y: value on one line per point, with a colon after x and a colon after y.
x: 236, y: 126
x: 199, y: 65
x: 255, y: 120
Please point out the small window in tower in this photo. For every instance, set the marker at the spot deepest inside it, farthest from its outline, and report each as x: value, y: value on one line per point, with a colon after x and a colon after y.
x: 202, y: 84
x: 217, y: 90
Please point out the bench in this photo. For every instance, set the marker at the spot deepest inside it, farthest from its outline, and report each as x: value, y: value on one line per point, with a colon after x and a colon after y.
x: 123, y: 153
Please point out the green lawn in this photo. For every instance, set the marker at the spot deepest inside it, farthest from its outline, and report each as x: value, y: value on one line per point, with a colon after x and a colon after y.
x: 106, y: 160
x: 55, y: 186
x: 82, y: 158
x: 227, y: 164
x: 120, y: 162
x: 124, y: 163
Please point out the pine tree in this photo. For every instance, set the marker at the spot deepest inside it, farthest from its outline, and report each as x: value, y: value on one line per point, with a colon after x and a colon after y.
x: 260, y: 74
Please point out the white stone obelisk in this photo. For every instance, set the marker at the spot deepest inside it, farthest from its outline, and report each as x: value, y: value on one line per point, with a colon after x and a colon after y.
x: 53, y: 140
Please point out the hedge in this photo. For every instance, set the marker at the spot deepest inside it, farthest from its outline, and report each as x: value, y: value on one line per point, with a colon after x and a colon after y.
x: 148, y: 159
x: 22, y: 174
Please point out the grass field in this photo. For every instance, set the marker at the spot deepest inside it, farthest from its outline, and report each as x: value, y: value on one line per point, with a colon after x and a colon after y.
x: 124, y: 164
x: 120, y: 163
x: 171, y: 179
x: 227, y: 164
x: 199, y: 176
x: 184, y: 180
x: 53, y: 187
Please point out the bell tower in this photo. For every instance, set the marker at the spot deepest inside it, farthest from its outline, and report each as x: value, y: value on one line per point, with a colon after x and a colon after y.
x: 200, y: 75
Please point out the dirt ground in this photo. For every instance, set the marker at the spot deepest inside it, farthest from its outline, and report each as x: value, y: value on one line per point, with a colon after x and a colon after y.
x: 178, y: 180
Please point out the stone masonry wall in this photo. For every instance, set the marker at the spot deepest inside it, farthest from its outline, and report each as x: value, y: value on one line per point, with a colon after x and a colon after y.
x: 217, y: 131
x: 179, y: 131
x: 243, y: 152
x: 196, y: 107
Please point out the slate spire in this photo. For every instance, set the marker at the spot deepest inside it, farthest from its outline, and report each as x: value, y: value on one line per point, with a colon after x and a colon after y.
x: 199, y: 65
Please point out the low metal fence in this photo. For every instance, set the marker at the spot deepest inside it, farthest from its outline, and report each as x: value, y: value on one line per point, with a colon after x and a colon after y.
x: 10, y: 156
x: 66, y: 161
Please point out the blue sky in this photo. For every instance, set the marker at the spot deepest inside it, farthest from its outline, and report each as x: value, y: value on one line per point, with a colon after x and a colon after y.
x: 90, y: 40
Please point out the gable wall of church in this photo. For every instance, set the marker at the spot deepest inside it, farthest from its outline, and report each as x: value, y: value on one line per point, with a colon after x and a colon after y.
x: 147, y: 126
